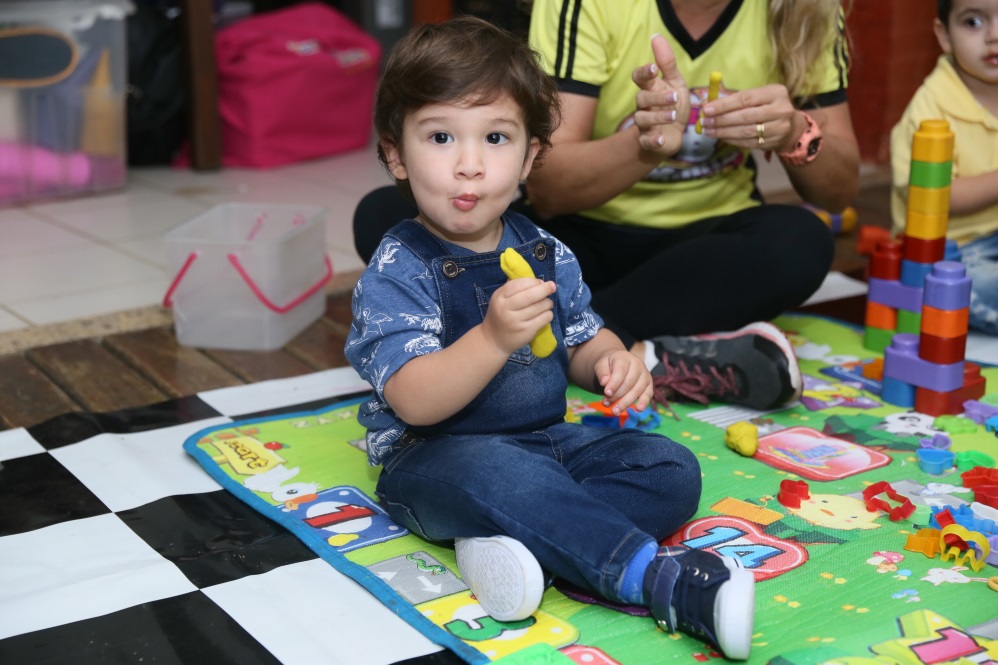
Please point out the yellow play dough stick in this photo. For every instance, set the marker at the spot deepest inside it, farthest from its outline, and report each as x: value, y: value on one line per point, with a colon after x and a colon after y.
x: 712, y: 93
x: 515, y: 266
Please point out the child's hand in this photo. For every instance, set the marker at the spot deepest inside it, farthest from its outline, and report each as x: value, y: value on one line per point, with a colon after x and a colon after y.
x: 625, y: 381
x: 517, y: 310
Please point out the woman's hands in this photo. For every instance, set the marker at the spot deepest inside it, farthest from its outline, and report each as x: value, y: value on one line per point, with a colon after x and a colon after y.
x: 737, y: 118
x: 663, y: 103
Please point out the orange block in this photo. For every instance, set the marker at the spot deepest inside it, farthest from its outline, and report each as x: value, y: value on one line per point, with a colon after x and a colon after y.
x: 945, y: 323
x: 874, y: 369
x: 881, y: 316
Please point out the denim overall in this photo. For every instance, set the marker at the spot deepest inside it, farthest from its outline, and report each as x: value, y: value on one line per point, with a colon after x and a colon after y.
x: 582, y: 499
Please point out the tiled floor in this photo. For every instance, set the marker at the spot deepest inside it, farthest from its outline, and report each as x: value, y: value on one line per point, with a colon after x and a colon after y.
x: 76, y: 258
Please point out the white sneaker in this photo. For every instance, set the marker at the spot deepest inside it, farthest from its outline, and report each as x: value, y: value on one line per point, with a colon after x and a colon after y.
x: 503, y: 574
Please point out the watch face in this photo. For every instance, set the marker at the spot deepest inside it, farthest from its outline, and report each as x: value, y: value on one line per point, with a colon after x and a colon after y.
x: 814, y: 146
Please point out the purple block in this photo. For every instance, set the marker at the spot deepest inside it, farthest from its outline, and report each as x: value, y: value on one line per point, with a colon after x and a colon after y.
x: 913, y: 273
x: 895, y: 294
x: 947, y: 287
x: 979, y: 411
x: 901, y: 362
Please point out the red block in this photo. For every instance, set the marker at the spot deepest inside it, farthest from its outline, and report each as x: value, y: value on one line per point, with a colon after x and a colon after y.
x: 868, y: 237
x: 924, y: 251
x: 935, y: 403
x: 942, y: 350
x: 886, y: 260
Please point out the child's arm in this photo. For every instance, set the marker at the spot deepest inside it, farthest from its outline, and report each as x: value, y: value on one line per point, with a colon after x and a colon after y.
x: 602, y: 365
x: 973, y: 194
x: 435, y: 386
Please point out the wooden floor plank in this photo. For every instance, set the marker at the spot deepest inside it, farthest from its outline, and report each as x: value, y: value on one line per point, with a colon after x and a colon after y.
x: 27, y: 396
x: 320, y: 345
x: 252, y: 366
x: 94, y: 377
x: 176, y: 370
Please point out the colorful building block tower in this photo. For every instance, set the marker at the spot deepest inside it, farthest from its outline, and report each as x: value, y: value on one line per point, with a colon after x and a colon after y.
x: 898, y: 267
x: 918, y: 304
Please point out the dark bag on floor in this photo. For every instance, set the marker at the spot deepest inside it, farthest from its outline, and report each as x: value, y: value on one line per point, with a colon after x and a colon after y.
x: 157, y: 96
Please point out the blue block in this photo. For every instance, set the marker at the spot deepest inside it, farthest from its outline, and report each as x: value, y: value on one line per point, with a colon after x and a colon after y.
x: 913, y: 273
x: 952, y: 251
x: 897, y: 392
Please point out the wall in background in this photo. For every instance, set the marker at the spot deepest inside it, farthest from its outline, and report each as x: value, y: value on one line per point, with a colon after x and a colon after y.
x: 893, y: 50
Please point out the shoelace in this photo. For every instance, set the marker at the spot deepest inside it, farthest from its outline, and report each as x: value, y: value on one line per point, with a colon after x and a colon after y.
x: 694, y: 604
x: 693, y: 384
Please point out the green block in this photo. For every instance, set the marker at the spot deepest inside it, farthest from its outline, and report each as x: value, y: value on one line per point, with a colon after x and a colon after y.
x: 909, y: 322
x: 877, y: 339
x: 931, y: 176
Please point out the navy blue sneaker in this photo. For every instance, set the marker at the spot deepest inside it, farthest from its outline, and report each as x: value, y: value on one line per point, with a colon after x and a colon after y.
x: 754, y: 366
x: 707, y: 596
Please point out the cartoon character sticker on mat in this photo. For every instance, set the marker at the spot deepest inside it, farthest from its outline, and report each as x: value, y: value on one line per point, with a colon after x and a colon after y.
x: 461, y: 615
x: 816, y: 456
x: 819, y: 395
x: 763, y: 554
x: 418, y: 577
x: 928, y: 637
x: 349, y: 517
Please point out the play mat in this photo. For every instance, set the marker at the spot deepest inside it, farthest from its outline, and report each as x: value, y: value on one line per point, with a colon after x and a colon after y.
x: 836, y: 582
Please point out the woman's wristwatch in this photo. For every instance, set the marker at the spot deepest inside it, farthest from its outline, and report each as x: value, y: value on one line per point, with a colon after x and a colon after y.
x: 808, y: 145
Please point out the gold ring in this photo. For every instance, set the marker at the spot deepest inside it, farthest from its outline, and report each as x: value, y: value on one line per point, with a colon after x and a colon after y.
x: 760, y: 132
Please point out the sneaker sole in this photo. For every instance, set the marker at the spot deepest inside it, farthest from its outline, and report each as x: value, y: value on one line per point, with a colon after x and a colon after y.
x: 776, y: 336
x: 503, y: 574
x: 734, y: 618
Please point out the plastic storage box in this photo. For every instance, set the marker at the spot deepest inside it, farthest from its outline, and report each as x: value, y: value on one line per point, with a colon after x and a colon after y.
x: 62, y: 97
x: 247, y: 276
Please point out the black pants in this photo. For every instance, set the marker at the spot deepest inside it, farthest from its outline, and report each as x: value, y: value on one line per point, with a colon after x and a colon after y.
x: 713, y: 275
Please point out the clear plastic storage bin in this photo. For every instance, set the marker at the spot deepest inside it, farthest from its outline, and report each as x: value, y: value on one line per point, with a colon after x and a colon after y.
x: 62, y: 97
x: 247, y: 276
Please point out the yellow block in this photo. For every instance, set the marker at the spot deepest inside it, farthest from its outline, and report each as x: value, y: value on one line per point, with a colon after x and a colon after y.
x: 933, y: 142
x: 931, y: 201
x: 926, y: 226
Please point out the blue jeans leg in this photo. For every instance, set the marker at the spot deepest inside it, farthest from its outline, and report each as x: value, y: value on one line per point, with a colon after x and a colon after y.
x: 981, y: 260
x: 582, y: 500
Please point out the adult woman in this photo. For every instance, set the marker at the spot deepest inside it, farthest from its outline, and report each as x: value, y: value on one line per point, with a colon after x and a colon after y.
x: 667, y: 223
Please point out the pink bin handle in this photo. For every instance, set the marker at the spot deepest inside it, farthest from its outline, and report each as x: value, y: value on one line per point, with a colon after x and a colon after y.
x: 234, y: 260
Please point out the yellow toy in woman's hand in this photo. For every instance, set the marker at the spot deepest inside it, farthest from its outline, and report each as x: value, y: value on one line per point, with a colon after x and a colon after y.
x: 515, y: 266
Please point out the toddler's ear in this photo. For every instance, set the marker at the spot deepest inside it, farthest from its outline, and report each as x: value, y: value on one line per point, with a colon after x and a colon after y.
x: 942, y: 36
x: 393, y: 158
x: 528, y: 160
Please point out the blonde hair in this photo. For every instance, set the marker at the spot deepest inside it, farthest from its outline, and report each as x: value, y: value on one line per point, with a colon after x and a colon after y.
x: 799, y: 32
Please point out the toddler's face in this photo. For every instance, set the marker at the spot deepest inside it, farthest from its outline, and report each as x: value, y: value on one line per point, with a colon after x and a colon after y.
x: 972, y: 38
x: 464, y: 163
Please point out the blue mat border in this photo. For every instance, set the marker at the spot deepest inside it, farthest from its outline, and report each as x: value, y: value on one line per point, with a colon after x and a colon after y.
x: 315, y: 542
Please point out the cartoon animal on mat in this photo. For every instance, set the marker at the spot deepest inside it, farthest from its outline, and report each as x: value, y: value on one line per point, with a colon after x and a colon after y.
x: 275, y: 483
x: 820, y: 518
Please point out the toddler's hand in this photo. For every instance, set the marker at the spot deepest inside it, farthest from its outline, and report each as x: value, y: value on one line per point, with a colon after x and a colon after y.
x: 625, y: 381
x: 517, y: 310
